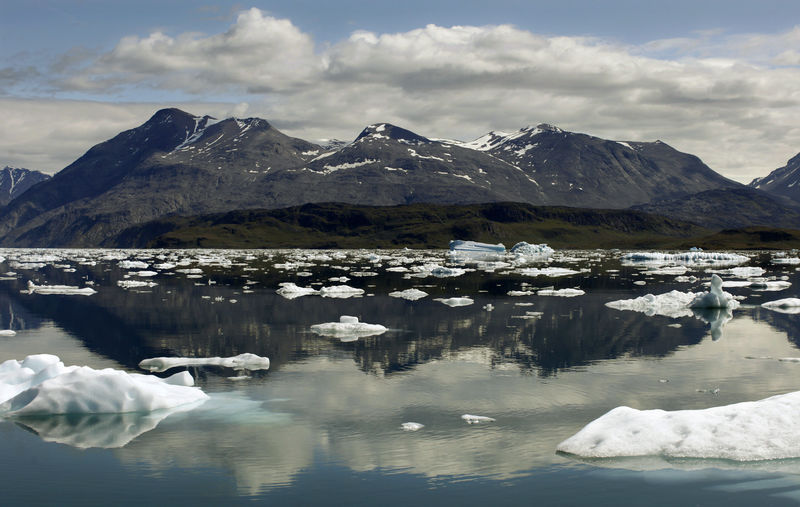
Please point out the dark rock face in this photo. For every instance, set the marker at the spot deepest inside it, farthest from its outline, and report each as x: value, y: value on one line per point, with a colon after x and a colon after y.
x: 15, y: 181
x: 727, y: 208
x: 783, y: 182
x: 180, y: 164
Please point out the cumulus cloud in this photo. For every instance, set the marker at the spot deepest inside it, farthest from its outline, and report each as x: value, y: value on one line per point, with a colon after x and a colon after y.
x: 731, y: 100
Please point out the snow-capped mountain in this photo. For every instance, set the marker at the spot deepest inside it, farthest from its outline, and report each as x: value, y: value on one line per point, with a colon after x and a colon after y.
x: 180, y: 164
x: 14, y: 181
x: 784, y: 181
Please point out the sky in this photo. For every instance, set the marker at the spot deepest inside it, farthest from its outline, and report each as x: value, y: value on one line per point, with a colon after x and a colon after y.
x: 716, y: 78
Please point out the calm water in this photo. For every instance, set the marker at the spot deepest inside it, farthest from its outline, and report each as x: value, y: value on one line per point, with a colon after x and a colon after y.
x: 322, y: 425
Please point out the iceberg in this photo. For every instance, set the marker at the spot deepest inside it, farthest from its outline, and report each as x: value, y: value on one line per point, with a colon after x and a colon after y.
x: 715, y: 297
x: 68, y: 290
x: 564, y: 293
x: 455, y: 301
x: 7, y: 332
x: 527, y: 252
x: 340, y: 291
x: 472, y: 250
x: 42, y: 385
x: 411, y: 426
x: 348, y: 329
x: 691, y: 258
x: 786, y: 305
x: 549, y: 271
x: 244, y: 361
x: 750, y: 431
x: 409, y: 294
x: 291, y: 291
x: 476, y: 419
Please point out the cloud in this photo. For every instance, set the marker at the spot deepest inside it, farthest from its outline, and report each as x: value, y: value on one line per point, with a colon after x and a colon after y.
x: 730, y: 99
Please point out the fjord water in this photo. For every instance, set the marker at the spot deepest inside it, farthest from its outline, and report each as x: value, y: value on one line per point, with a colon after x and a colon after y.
x: 323, y: 424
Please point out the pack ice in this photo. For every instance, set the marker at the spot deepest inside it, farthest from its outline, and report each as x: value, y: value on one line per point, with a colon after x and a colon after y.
x: 750, y: 431
x: 41, y: 385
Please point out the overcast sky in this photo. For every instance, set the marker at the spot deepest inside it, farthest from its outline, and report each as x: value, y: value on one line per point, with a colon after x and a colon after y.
x: 719, y: 79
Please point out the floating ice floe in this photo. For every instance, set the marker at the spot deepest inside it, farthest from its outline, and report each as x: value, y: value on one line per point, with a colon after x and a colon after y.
x: 715, y: 297
x: 672, y: 304
x: 42, y: 385
x: 691, y: 258
x: 340, y: 291
x: 409, y: 294
x: 127, y: 264
x: 244, y: 361
x: 769, y: 285
x: 348, y: 329
x: 411, y: 426
x: 291, y: 291
x: 768, y: 429
x: 472, y: 250
x: 529, y: 252
x: 456, y: 301
x: 476, y: 419
x: 549, y: 271
x: 132, y: 284
x: 68, y: 290
x: 564, y: 293
x: 786, y: 305
x: 786, y: 260
x: 742, y: 271
x: 7, y: 332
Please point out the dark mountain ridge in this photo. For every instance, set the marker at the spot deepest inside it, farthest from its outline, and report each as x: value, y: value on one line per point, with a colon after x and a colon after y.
x: 782, y: 182
x: 180, y: 164
x: 14, y: 181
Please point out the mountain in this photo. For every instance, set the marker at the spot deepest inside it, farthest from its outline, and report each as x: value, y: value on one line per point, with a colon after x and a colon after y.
x: 180, y: 164
x: 784, y: 181
x: 727, y: 208
x: 581, y: 170
x: 14, y: 181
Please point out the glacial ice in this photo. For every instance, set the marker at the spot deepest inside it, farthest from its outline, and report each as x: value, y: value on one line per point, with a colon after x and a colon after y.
x: 41, y: 385
x: 8, y: 332
x: 694, y: 258
x: 68, y: 290
x: 476, y: 419
x: 409, y: 294
x: 768, y: 429
x: 291, y: 291
x: 564, y: 293
x: 715, y: 297
x: 340, y: 291
x: 552, y: 271
x: 455, y: 301
x: 348, y: 328
x: 244, y: 361
x: 467, y: 251
x: 672, y: 304
x: 786, y: 305
x: 528, y: 251
x: 411, y: 426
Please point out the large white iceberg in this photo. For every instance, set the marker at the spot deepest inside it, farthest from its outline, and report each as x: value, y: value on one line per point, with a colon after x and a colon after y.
x: 527, y: 252
x: 348, y: 328
x: 715, y: 297
x: 696, y: 258
x: 473, y: 250
x: 244, y: 361
x: 42, y: 385
x: 751, y: 431
x: 786, y: 305
x: 68, y: 290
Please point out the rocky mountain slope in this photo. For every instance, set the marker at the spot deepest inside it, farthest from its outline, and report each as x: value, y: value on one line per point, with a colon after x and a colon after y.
x: 15, y: 181
x: 180, y: 164
x: 784, y: 181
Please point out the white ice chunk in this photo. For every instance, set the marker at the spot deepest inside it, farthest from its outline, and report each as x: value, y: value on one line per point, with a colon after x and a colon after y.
x: 476, y: 419
x: 409, y: 294
x: 291, y: 291
x: 786, y: 305
x: 552, y: 271
x: 786, y: 260
x: 458, y: 245
x: 340, y: 291
x: 456, y: 301
x: 7, y: 332
x: 757, y: 430
x: 130, y: 284
x: 564, y: 293
x: 348, y: 328
x: 690, y: 258
x: 68, y: 290
x: 672, y: 304
x: 42, y: 385
x: 244, y: 361
x: 525, y: 250
x: 127, y: 264
x: 715, y: 298
x: 411, y: 426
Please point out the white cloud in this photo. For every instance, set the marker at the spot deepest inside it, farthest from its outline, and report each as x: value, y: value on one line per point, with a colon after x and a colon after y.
x: 731, y: 100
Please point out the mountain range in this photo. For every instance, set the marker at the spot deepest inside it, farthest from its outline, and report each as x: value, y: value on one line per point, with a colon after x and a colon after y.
x: 180, y: 164
x: 14, y: 181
